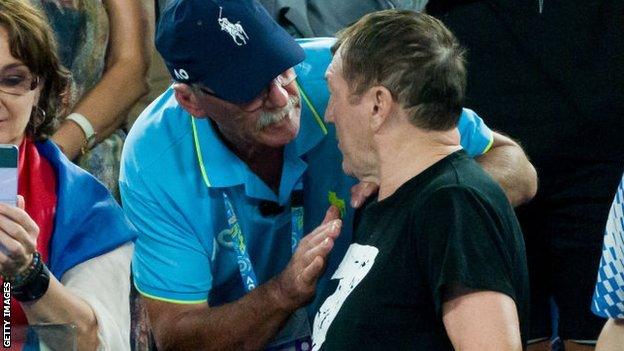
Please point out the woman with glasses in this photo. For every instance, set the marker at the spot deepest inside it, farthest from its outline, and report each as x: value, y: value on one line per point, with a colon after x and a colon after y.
x: 65, y: 249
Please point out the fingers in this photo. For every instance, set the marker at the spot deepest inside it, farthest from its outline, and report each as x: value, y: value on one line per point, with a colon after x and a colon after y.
x: 314, y: 259
x: 20, y: 202
x: 298, y: 280
x: 332, y: 213
x: 16, y: 224
x: 331, y: 229
x: 20, y: 217
x: 313, y: 271
x: 322, y: 249
x: 362, y: 191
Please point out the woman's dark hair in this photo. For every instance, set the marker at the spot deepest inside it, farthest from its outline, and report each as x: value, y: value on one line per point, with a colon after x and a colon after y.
x: 31, y: 41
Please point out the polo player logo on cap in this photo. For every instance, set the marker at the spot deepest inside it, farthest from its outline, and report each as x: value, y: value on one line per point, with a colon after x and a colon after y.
x: 234, y: 29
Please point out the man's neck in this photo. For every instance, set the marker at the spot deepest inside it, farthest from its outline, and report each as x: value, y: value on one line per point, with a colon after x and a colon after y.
x: 406, y: 152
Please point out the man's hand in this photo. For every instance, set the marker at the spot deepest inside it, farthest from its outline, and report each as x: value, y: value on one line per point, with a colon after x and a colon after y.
x: 297, y: 283
x: 362, y: 191
x: 250, y: 322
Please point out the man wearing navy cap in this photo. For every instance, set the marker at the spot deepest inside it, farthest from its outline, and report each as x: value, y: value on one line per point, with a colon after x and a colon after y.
x: 222, y: 186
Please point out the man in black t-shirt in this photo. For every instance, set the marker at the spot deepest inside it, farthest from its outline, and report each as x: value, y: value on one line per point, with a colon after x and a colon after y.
x: 438, y: 260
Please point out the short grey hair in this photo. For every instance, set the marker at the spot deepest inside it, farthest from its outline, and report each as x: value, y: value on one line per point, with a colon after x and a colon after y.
x: 414, y: 56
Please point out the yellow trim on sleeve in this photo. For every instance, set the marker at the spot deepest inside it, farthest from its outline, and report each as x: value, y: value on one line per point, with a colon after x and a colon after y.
x: 158, y: 298
x: 489, y: 145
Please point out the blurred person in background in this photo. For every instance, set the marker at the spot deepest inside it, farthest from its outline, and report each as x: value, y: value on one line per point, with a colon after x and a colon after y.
x: 608, y: 299
x: 105, y: 44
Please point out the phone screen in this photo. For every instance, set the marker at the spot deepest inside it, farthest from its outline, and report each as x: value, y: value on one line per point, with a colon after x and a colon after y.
x: 8, y: 174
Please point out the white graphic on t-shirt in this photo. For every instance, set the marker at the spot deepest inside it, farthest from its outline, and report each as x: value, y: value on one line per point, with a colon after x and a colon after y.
x: 355, y: 265
x: 234, y: 29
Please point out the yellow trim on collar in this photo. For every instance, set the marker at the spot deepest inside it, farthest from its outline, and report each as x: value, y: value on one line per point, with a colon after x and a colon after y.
x: 315, y: 113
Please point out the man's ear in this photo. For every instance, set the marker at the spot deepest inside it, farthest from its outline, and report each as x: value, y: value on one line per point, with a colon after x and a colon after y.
x: 188, y: 99
x: 382, y: 106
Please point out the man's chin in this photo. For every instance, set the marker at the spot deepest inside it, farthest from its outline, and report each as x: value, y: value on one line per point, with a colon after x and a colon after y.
x: 280, y: 137
x: 347, y: 170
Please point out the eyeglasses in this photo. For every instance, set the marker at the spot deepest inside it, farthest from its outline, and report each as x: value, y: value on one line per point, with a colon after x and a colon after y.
x: 18, y: 83
x: 283, y: 80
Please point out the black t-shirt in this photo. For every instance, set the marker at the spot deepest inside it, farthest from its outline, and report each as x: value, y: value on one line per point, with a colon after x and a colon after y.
x: 449, y: 225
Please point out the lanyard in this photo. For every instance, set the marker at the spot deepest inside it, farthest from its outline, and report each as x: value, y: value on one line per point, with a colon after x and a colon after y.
x: 245, y: 266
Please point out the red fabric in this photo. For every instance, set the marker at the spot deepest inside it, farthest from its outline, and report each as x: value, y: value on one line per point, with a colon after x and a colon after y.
x: 37, y: 184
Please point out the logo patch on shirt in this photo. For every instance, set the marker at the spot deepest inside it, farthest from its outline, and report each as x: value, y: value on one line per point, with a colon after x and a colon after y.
x: 235, y: 30
x: 354, y: 267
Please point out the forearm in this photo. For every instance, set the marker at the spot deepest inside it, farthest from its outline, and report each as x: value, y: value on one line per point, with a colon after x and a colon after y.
x: 60, y: 306
x: 123, y: 82
x: 496, y: 329
x: 253, y: 320
x: 109, y: 101
x: 105, y: 106
x: 246, y: 324
x: 508, y: 165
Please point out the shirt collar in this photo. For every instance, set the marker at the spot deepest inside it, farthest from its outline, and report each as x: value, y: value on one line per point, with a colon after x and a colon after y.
x: 223, y: 169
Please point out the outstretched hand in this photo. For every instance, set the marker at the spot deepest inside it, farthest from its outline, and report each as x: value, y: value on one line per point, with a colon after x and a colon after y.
x: 297, y: 283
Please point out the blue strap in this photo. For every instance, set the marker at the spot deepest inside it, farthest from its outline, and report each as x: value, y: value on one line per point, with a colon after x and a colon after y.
x: 245, y: 266
x: 242, y: 256
x: 244, y: 262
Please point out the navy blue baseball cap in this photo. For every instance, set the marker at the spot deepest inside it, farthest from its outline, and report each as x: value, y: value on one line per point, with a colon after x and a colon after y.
x: 233, y: 47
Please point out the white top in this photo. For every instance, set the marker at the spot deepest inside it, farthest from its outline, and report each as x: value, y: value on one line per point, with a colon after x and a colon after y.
x: 104, y: 283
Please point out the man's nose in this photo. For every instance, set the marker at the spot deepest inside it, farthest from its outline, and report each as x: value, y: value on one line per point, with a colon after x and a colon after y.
x: 277, y: 96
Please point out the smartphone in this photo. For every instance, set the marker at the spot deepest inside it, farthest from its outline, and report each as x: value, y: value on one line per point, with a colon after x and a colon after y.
x: 8, y: 174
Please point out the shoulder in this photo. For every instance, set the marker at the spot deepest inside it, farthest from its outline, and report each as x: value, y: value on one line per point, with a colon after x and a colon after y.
x: 88, y: 221
x: 70, y: 176
x: 460, y: 174
x: 459, y: 181
x: 473, y: 177
x: 156, y: 136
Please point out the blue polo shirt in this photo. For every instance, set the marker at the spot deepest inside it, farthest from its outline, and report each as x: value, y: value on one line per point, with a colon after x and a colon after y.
x: 184, y: 253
